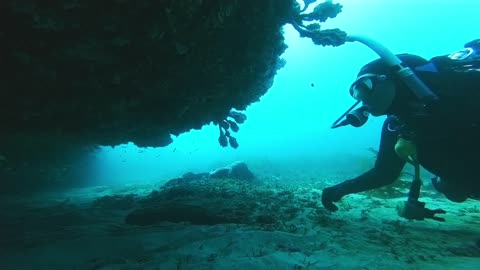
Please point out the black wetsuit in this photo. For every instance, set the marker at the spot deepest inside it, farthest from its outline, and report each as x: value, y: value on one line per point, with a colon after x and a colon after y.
x: 447, y: 142
x: 449, y: 158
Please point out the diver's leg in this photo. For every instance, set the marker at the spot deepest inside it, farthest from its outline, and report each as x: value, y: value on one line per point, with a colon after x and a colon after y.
x: 452, y: 191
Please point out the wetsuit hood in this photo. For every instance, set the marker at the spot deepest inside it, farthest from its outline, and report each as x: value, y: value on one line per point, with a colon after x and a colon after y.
x: 399, y: 101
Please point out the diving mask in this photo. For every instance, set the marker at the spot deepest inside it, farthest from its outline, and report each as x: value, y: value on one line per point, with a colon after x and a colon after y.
x: 375, y: 91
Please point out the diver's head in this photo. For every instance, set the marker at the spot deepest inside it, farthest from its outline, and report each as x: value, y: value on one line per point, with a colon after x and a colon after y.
x: 380, y: 90
x: 375, y: 91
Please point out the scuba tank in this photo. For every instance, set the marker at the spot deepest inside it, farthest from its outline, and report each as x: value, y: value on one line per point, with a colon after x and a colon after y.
x: 466, y: 60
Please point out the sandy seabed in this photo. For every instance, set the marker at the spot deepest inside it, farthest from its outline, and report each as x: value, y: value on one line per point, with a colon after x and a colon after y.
x: 229, y: 224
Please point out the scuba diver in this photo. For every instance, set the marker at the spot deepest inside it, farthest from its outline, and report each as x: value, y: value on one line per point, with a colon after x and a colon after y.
x: 433, y: 121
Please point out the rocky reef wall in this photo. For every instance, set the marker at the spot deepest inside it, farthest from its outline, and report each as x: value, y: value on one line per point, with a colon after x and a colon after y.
x: 84, y: 73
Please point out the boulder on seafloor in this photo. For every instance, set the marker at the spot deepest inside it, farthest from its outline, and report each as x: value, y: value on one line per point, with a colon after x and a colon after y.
x: 237, y: 170
x: 176, y: 213
x: 186, y: 179
x: 190, y: 176
x: 220, y: 173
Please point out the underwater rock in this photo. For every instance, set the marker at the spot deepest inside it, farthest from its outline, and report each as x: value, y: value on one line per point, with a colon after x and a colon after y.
x: 189, y: 176
x: 139, y: 72
x: 220, y: 173
x: 265, y: 219
x: 123, y: 202
x: 237, y: 170
x: 176, y: 213
x: 232, y: 201
x: 175, y: 182
x: 186, y: 179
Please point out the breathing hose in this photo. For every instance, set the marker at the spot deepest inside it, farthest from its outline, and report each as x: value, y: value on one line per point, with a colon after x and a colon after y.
x: 405, y: 73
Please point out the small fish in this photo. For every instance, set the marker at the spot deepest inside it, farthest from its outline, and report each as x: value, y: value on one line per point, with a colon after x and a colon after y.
x: 312, y: 84
x: 194, y: 150
x: 174, y: 149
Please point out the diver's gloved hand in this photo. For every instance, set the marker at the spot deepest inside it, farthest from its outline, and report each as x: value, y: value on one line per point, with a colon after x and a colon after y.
x: 329, y: 196
x: 413, y: 209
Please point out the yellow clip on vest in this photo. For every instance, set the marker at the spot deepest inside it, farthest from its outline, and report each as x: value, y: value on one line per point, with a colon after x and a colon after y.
x: 406, y: 150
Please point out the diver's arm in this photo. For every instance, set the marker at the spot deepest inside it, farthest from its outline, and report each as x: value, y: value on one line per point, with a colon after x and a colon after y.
x: 388, y: 165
